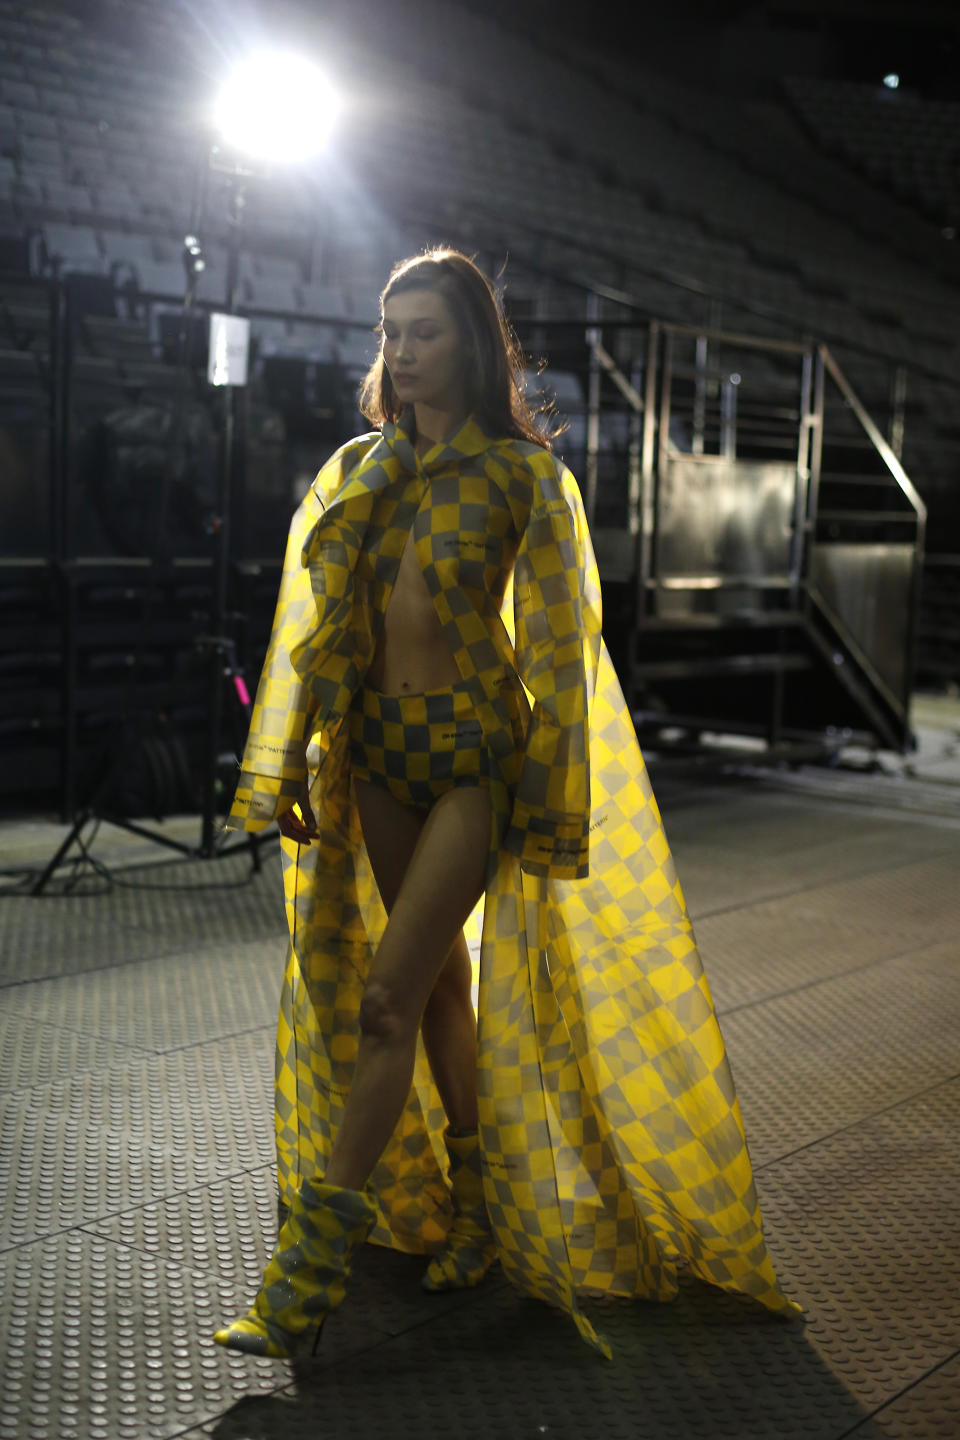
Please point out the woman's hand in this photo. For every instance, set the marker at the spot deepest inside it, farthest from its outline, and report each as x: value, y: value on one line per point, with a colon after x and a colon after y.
x: 303, y: 827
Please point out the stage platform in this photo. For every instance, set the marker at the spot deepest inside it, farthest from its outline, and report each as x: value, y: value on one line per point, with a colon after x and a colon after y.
x: 138, y: 1198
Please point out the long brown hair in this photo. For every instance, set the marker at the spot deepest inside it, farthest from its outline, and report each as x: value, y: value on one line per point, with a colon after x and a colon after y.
x: 493, y: 369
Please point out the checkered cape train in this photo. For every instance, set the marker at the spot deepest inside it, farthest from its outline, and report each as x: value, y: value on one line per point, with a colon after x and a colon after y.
x: 610, y: 1129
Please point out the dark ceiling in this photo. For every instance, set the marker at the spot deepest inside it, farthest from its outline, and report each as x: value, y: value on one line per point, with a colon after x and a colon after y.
x: 748, y: 43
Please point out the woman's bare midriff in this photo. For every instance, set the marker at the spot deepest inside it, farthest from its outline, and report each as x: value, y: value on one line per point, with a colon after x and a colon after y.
x: 412, y: 653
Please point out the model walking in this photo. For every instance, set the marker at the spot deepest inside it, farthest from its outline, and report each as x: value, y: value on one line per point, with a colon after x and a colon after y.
x: 438, y: 705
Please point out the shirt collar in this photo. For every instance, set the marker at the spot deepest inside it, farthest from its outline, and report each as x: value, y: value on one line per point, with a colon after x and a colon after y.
x: 470, y: 438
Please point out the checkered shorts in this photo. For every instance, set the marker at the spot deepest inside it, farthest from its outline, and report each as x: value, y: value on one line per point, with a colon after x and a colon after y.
x: 418, y: 746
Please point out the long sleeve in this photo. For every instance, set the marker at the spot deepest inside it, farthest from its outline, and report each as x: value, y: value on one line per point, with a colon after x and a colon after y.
x: 274, y: 764
x: 551, y: 815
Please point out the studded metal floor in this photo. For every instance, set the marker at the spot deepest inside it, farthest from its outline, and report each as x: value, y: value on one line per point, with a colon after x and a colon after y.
x: 136, y: 1033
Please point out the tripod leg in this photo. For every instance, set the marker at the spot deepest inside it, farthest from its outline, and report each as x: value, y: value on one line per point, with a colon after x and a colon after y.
x: 39, y: 885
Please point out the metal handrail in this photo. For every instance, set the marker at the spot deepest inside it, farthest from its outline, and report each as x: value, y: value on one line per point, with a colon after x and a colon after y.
x: 883, y: 447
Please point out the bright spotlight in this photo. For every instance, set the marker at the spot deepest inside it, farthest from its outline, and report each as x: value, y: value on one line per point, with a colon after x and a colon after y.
x: 277, y: 107
x: 892, y: 81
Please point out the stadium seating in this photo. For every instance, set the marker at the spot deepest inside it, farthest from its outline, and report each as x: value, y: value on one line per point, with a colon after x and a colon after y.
x: 897, y: 140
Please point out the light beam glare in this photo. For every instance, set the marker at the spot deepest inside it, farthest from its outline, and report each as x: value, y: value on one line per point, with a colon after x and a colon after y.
x: 277, y: 106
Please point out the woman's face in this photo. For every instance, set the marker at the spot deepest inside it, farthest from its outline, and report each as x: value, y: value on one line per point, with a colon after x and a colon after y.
x: 421, y: 350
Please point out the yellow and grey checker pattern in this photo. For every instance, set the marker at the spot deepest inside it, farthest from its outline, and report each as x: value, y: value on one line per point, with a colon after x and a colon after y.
x: 306, y: 1276
x: 417, y: 746
x: 612, y: 1139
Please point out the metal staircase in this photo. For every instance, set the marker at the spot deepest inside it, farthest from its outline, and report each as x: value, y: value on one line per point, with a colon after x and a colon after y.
x: 761, y: 565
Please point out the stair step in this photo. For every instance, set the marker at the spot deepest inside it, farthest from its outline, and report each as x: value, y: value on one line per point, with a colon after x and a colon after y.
x: 841, y: 477
x: 752, y: 620
x: 700, y: 666
x: 906, y: 517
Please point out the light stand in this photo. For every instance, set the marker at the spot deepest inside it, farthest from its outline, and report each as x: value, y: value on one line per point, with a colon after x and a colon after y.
x: 222, y: 369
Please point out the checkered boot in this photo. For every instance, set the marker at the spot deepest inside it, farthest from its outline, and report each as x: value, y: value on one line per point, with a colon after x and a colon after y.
x: 307, y: 1273
x: 470, y: 1249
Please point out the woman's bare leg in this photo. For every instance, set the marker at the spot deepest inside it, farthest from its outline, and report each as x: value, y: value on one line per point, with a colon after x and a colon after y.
x: 449, y: 1023
x: 443, y: 880
x: 449, y: 1029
